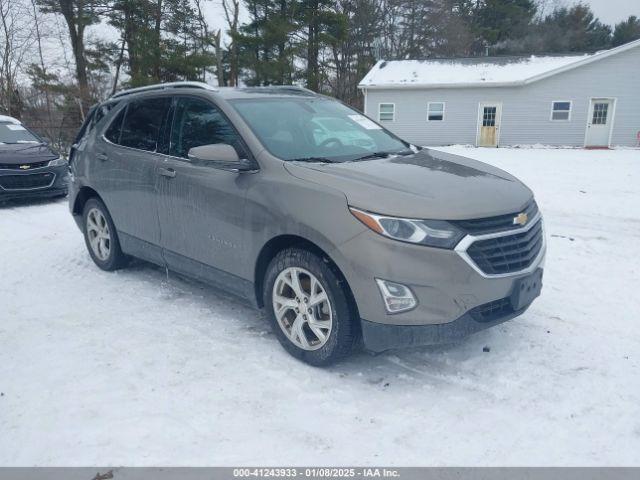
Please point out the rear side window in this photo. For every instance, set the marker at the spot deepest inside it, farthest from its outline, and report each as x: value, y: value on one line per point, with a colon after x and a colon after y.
x: 102, y: 112
x: 196, y: 123
x: 113, y: 132
x: 142, y: 122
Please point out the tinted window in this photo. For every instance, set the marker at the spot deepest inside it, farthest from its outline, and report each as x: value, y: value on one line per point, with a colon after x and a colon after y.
x: 142, y: 123
x: 113, y: 132
x: 198, y: 123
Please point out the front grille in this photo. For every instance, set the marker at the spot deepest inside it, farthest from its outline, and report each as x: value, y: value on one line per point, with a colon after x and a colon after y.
x: 507, y: 254
x: 492, y: 311
x: 482, y: 226
x: 26, y: 182
x: 16, y: 166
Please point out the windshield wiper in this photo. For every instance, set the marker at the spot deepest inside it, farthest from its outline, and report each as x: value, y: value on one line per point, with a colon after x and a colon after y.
x: 368, y: 156
x: 313, y: 160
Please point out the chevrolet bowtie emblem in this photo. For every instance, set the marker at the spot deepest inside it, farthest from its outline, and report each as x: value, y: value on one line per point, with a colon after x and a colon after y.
x: 521, y: 219
x: 25, y: 167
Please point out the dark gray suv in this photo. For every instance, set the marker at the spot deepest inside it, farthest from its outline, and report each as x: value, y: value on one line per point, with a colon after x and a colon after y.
x: 303, y: 206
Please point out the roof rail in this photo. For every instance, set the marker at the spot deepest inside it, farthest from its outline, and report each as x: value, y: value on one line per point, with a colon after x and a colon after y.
x: 164, y: 86
x: 280, y: 88
x: 292, y: 87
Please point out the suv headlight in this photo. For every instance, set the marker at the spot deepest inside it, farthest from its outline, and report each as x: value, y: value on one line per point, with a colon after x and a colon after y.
x: 58, y: 162
x: 434, y: 233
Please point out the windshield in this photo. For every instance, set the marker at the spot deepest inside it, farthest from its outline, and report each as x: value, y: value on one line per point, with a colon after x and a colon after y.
x: 14, y: 133
x: 315, y: 129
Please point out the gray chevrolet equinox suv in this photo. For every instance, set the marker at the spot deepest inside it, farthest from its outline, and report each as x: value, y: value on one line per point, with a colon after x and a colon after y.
x: 301, y: 205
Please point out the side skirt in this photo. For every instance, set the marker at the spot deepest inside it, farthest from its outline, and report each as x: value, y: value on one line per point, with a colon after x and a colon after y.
x: 227, y: 282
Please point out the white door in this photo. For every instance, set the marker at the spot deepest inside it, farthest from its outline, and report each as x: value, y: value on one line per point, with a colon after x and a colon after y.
x: 599, y: 122
x: 489, y: 124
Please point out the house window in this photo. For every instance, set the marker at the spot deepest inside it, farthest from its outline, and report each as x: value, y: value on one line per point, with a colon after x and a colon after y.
x: 435, y: 111
x: 561, y: 111
x: 489, y: 116
x: 386, y: 112
x: 600, y: 112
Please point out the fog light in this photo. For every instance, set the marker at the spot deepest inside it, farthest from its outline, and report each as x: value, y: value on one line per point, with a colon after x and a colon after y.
x: 397, y: 297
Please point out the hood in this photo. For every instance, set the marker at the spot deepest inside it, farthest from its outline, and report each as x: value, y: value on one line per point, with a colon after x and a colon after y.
x: 23, y: 153
x: 428, y: 184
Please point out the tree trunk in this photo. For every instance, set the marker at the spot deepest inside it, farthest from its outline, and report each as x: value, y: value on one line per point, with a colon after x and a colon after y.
x: 118, y: 66
x: 313, y: 82
x: 157, y: 38
x: 217, y: 39
x: 76, y: 35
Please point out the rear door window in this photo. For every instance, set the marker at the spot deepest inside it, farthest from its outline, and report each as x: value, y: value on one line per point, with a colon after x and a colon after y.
x: 142, y: 123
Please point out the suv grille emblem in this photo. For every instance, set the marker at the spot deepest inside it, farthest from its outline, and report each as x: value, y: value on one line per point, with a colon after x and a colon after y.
x: 521, y: 219
x: 25, y: 167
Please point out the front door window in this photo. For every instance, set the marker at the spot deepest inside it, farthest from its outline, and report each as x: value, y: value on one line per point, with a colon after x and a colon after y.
x: 197, y: 123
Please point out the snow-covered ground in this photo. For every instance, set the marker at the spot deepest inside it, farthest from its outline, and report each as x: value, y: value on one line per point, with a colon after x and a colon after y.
x: 137, y: 368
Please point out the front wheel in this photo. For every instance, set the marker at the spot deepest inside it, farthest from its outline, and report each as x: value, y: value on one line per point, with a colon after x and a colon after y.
x: 309, y: 308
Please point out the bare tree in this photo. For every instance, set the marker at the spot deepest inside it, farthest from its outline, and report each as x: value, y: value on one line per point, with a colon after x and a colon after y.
x: 217, y: 45
x: 78, y: 14
x: 36, y: 23
x: 232, y: 15
x: 16, y: 32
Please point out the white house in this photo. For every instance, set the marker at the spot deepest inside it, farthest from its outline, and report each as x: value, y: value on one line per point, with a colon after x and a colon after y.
x: 581, y: 100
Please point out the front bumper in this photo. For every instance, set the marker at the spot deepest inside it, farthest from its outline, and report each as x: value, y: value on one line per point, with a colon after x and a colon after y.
x: 56, y: 186
x: 379, y: 337
x: 448, y: 288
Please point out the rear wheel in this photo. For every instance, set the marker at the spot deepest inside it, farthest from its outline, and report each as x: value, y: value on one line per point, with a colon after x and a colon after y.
x: 308, y: 307
x: 101, y: 237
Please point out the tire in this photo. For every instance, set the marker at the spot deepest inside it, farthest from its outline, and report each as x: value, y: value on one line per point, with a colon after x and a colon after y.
x: 324, y: 346
x: 108, y: 255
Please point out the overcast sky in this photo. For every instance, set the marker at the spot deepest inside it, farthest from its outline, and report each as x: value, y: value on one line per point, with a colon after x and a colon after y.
x: 609, y: 11
x: 612, y: 11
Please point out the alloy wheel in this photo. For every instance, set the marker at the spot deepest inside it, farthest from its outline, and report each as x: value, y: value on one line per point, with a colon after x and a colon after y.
x: 99, y: 234
x: 302, y: 308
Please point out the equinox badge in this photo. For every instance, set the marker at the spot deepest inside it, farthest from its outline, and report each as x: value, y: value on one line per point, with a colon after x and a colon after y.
x: 521, y: 219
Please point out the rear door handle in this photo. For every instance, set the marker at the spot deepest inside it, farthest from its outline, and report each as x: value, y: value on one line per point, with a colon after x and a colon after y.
x: 102, y: 156
x: 168, y: 172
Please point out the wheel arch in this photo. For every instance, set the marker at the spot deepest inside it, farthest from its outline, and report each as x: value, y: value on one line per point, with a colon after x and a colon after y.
x: 84, y: 194
x: 282, y: 242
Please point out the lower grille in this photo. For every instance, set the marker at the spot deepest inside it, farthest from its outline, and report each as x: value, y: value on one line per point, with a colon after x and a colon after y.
x: 507, y: 254
x: 492, y: 310
x: 26, y: 182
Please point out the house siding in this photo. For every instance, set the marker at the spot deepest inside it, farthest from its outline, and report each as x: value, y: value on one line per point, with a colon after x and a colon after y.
x: 526, y: 110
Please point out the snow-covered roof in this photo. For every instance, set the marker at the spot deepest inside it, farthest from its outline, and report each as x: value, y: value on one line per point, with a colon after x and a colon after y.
x: 478, y: 71
x: 6, y: 118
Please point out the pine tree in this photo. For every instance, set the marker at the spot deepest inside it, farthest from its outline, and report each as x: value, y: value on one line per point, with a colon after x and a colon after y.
x: 626, y: 31
x: 502, y: 21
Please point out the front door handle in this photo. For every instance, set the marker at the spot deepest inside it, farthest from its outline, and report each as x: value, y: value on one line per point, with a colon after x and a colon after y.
x: 102, y: 156
x: 168, y: 172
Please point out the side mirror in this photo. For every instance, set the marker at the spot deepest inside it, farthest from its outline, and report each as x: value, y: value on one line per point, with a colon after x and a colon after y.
x: 220, y: 155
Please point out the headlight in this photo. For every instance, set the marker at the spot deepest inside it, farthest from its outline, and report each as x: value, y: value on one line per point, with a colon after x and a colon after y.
x: 434, y: 233
x: 58, y: 162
